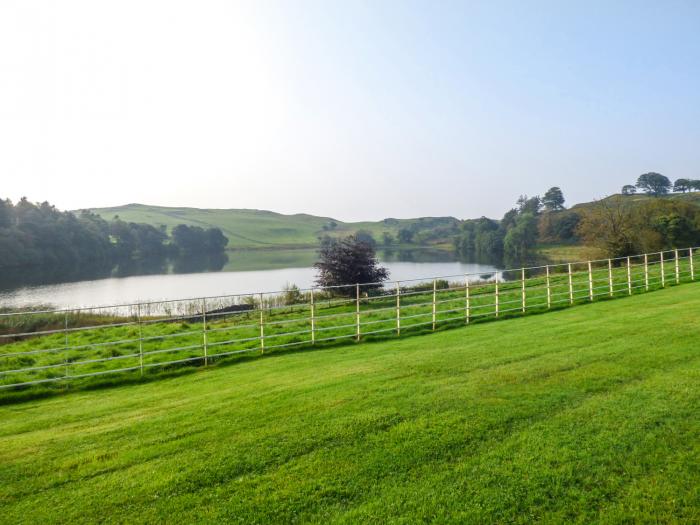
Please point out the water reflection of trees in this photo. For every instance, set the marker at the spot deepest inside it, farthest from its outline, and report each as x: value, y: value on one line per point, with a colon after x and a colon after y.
x: 432, y: 255
x: 31, y: 276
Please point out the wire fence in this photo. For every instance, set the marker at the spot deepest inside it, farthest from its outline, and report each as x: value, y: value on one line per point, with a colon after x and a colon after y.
x: 48, y: 346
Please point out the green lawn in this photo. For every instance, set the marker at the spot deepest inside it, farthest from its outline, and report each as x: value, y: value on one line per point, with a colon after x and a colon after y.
x: 587, y: 415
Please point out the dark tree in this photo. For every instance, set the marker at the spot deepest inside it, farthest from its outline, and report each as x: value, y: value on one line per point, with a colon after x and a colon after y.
x: 216, y: 240
x: 553, y: 200
x: 681, y: 185
x: 349, y: 261
x: 628, y: 189
x: 5, y: 214
x: 405, y: 235
x: 365, y: 236
x: 654, y: 183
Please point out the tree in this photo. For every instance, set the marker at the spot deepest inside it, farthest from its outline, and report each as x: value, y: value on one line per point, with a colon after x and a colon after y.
x: 366, y: 236
x: 520, y: 239
x: 405, y: 235
x: 654, y: 183
x: 628, y: 189
x: 216, y: 241
x: 553, y: 199
x: 529, y: 205
x: 349, y: 261
x: 5, y: 213
x: 694, y: 185
x: 609, y: 224
x: 558, y: 227
x: 681, y: 185
x: 387, y: 239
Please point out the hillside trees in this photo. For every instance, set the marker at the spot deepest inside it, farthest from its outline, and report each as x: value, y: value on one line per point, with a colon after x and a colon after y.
x: 196, y: 241
x: 40, y: 238
x: 629, y: 189
x: 620, y: 229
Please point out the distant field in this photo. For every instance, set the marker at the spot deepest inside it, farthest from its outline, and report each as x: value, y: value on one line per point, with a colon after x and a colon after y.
x: 567, y: 252
x: 585, y: 415
x: 253, y: 228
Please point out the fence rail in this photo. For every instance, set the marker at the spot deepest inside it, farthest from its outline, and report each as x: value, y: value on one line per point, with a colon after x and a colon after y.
x: 47, y: 346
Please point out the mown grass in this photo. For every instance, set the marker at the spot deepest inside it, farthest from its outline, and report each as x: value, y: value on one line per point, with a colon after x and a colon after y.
x: 584, y: 415
x: 161, y: 342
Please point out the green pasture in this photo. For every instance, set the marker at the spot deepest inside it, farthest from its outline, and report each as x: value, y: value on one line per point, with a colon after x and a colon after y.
x: 584, y: 415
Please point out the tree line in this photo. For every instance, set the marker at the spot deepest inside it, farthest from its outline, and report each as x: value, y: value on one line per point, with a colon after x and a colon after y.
x: 653, y: 183
x: 617, y: 226
x: 514, y: 238
x: 38, y: 236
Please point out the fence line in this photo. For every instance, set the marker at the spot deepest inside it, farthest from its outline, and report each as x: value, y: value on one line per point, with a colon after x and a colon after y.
x: 149, y: 335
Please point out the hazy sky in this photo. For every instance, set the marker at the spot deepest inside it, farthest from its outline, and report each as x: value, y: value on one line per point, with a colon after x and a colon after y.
x: 357, y: 110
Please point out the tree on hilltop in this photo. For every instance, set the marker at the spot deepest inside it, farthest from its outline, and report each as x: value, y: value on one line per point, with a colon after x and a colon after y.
x: 681, y: 185
x: 553, y: 199
x: 654, y: 183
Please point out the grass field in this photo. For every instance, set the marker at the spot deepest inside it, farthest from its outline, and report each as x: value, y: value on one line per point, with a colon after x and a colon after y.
x: 156, y: 338
x: 584, y: 415
x: 253, y: 228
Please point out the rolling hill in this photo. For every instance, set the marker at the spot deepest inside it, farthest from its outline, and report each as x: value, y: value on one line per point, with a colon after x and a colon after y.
x: 263, y: 229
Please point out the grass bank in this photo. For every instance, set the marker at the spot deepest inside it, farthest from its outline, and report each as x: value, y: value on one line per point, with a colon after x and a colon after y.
x: 584, y: 415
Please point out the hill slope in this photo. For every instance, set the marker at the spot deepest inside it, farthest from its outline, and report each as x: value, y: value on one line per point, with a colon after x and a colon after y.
x: 585, y: 414
x: 259, y: 228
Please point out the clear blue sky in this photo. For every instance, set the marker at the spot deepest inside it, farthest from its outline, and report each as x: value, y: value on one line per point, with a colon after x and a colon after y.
x: 358, y: 110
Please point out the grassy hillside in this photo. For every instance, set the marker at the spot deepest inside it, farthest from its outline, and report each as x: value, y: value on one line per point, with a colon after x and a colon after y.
x: 583, y: 415
x: 255, y: 228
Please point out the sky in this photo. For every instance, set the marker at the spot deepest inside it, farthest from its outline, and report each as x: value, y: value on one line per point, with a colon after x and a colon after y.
x: 355, y: 110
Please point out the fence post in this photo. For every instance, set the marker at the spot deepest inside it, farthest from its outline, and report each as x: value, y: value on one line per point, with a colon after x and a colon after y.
x: 313, y: 319
x: 692, y: 268
x: 549, y: 289
x: 523, y: 287
x: 357, y: 313
x: 590, y: 281
x: 678, y: 274
x: 610, y: 278
x: 398, y: 308
x: 138, y: 320
x: 496, y: 294
x: 204, y: 331
x: 646, y: 272
x: 663, y: 272
x: 467, y: 314
x: 65, y: 332
x: 571, y: 287
x: 262, y: 326
x: 629, y: 276
x: 434, y: 298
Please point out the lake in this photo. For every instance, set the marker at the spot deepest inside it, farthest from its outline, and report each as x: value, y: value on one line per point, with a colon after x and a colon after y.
x: 239, y: 276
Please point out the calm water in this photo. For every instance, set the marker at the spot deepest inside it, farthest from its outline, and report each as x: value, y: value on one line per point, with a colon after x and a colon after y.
x: 102, y: 292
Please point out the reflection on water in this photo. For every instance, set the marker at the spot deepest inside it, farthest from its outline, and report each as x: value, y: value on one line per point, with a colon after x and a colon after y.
x: 244, y: 272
